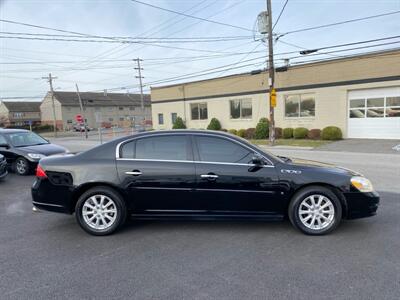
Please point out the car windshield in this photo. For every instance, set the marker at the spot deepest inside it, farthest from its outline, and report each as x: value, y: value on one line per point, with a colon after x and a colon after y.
x: 21, y: 139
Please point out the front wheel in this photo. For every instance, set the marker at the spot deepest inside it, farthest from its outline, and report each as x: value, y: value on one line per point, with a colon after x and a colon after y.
x: 315, y: 210
x: 100, y: 211
x: 21, y: 166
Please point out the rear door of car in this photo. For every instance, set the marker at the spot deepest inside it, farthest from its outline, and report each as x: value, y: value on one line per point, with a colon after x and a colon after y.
x: 228, y: 181
x: 157, y: 171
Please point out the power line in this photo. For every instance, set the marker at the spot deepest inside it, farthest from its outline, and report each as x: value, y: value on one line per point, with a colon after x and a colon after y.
x: 190, y: 16
x: 280, y: 14
x: 339, y: 23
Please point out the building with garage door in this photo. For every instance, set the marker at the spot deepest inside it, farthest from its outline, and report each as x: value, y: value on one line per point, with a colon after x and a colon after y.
x: 359, y: 94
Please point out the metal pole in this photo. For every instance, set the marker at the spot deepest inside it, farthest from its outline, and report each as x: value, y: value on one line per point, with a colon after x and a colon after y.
x: 271, y: 72
x: 83, y: 115
x: 50, y: 80
x: 141, y: 88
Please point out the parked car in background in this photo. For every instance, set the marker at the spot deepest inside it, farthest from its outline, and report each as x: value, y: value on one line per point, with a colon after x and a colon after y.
x: 81, y: 127
x: 198, y: 175
x: 23, y: 149
x: 3, y: 167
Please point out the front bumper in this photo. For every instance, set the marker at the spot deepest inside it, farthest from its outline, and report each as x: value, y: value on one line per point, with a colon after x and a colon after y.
x: 51, y: 197
x: 361, y: 205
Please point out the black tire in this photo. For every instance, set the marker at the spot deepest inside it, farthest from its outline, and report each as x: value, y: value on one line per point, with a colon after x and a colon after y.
x: 305, y: 193
x: 121, y: 211
x: 21, y: 166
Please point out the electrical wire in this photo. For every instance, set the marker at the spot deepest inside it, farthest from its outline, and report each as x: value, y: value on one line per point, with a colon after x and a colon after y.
x: 190, y: 16
x: 280, y: 14
x: 339, y: 23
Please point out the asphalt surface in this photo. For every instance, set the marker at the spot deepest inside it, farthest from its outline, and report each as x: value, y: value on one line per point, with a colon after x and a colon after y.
x: 45, y: 255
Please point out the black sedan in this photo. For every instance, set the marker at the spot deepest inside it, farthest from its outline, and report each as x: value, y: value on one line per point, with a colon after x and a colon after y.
x: 198, y: 175
x: 3, y: 167
x: 23, y: 149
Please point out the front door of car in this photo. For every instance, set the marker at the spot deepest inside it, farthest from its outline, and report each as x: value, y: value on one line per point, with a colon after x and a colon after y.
x: 228, y: 180
x: 158, y: 172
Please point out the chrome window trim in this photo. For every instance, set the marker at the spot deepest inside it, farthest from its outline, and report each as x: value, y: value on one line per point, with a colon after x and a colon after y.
x: 117, y: 149
x: 194, y: 162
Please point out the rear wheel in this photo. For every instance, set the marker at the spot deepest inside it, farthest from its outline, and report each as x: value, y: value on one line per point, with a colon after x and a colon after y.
x: 21, y: 166
x: 100, y: 211
x: 315, y: 210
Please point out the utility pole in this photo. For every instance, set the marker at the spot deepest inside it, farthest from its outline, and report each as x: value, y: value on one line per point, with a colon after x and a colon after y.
x: 81, y: 105
x: 271, y: 79
x: 50, y: 80
x: 138, y: 60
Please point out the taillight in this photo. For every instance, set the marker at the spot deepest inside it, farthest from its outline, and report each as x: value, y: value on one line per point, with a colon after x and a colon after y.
x: 40, y: 173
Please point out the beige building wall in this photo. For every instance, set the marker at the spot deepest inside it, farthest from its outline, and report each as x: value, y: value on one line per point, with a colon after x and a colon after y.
x: 329, y: 82
x: 4, y: 114
x: 46, y: 111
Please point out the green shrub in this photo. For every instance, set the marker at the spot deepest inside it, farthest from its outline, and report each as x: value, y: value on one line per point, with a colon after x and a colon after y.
x: 287, y: 133
x: 262, y: 129
x: 214, y: 124
x: 314, y: 134
x: 250, y: 133
x: 179, y: 124
x: 300, y: 133
x: 278, y: 132
x: 331, y: 133
x: 232, y: 131
x: 241, y: 133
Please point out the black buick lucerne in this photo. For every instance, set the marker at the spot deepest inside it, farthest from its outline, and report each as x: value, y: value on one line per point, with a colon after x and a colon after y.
x: 198, y: 175
x: 23, y: 149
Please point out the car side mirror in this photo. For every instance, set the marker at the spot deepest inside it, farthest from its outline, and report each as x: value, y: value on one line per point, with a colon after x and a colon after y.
x: 4, y: 146
x: 257, y: 160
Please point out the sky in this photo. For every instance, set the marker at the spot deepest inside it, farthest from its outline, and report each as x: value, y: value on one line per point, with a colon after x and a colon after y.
x: 109, y: 64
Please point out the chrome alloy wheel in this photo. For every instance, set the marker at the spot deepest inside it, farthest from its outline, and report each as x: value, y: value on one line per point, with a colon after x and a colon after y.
x: 99, y: 212
x: 21, y: 166
x: 316, y: 212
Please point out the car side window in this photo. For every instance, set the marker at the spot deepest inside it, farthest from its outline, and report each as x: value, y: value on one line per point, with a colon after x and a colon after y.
x: 214, y: 149
x: 175, y: 147
x: 128, y: 150
x: 3, y: 140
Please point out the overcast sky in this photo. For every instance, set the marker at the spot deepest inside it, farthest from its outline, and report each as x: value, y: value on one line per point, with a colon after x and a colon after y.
x: 78, y: 62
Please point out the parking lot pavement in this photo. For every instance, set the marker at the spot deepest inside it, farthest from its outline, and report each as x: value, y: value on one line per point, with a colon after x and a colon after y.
x: 45, y: 255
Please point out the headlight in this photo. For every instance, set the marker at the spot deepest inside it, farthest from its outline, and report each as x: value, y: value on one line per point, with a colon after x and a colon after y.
x: 362, y: 184
x: 36, y: 155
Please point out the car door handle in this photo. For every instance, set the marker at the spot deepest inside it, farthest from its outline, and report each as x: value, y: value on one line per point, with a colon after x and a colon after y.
x: 134, y: 173
x: 209, y: 176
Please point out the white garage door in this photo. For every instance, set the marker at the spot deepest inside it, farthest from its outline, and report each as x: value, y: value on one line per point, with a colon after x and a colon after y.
x: 374, y: 113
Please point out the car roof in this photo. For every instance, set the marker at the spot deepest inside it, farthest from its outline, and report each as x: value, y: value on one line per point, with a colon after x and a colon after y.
x: 9, y: 130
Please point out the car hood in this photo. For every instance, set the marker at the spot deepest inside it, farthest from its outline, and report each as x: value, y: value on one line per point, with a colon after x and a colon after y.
x: 45, y: 149
x: 317, y: 164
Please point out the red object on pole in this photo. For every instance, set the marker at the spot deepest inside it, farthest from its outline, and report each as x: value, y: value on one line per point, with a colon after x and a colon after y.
x: 79, y: 118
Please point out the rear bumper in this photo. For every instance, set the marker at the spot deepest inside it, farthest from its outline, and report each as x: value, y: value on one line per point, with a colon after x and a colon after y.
x: 361, y: 205
x: 47, y: 196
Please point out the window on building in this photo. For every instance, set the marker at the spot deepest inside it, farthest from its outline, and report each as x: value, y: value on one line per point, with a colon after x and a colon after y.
x: 377, y: 107
x: 131, y: 108
x: 241, y: 109
x: 199, y: 111
x: 160, y: 119
x: 120, y: 108
x: 173, y: 117
x: 110, y: 108
x: 121, y: 119
x: 300, y: 106
x: 69, y: 121
x: 110, y: 119
x: 214, y: 149
x: 97, y: 108
x: 163, y: 148
x: 18, y: 115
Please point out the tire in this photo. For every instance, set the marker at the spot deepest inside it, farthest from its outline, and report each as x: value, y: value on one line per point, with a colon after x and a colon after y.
x: 101, y: 219
x: 315, y: 210
x: 21, y: 166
